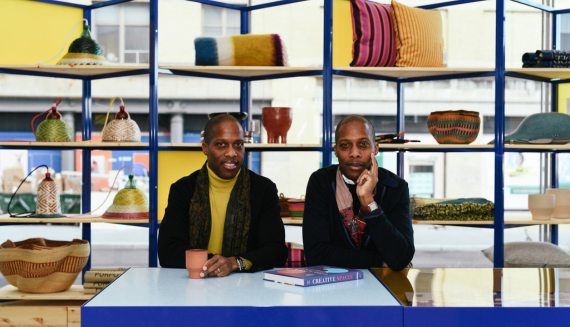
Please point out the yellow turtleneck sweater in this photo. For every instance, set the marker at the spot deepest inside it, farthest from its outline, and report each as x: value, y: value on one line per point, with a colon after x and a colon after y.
x: 220, y: 191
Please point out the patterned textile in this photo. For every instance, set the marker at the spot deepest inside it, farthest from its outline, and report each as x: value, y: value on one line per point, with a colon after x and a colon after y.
x: 238, y: 215
x: 295, y: 255
x: 374, y: 41
x: 241, y: 50
x: 419, y: 36
x: 38, y: 265
x: 353, y: 223
x: 454, y: 127
x: 465, y: 209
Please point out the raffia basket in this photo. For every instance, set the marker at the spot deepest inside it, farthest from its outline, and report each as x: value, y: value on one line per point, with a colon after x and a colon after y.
x: 38, y: 265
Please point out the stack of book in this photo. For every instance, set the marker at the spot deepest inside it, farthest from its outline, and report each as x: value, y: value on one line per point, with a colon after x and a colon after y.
x: 98, y: 278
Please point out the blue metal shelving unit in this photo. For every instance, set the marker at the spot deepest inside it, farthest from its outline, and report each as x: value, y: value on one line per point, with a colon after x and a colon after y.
x: 327, y: 74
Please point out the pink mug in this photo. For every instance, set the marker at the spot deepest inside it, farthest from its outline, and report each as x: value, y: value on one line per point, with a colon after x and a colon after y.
x: 195, y: 260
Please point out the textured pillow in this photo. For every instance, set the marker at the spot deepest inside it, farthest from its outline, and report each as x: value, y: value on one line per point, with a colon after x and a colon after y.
x: 532, y: 254
x: 373, y: 38
x: 419, y: 36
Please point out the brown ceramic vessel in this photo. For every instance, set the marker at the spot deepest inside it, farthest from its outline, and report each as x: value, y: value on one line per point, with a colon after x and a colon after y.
x: 195, y: 260
x: 277, y: 121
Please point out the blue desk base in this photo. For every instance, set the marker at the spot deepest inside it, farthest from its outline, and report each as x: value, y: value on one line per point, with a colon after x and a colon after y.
x: 241, y: 316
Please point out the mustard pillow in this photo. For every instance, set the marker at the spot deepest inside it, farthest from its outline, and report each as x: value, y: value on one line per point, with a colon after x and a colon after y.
x: 419, y: 36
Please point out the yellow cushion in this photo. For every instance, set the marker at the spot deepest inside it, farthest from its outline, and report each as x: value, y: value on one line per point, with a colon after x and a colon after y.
x: 419, y: 36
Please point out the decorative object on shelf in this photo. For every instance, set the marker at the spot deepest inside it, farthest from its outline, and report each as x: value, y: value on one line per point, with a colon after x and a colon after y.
x: 238, y: 115
x: 454, y: 126
x: 247, y: 138
x: 48, y: 204
x: 531, y: 255
x: 122, y: 128
x: 129, y: 203
x: 295, y: 255
x: 392, y: 138
x: 241, y: 50
x: 562, y: 202
x: 277, y: 121
x: 54, y: 128
x: 195, y: 260
x: 296, y: 207
x: 283, y: 205
x: 38, y: 265
x: 84, y: 51
x: 419, y: 37
x: 202, y: 137
x: 541, y: 206
x: 547, y: 59
x: 374, y: 40
x: 541, y: 128
x: 463, y: 209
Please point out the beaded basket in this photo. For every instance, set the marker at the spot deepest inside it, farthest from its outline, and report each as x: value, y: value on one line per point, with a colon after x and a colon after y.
x: 38, y: 265
x: 454, y: 127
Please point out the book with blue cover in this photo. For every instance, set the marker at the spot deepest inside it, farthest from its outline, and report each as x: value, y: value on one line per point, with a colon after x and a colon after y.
x: 310, y: 276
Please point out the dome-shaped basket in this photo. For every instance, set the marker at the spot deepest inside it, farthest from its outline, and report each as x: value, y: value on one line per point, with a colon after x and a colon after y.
x: 454, y: 127
x: 38, y: 265
x: 84, y: 51
x: 129, y: 203
x: 122, y: 130
x: 54, y: 130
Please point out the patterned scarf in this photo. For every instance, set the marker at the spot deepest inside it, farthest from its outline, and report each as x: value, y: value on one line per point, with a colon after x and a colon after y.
x: 238, y: 215
x: 353, y: 223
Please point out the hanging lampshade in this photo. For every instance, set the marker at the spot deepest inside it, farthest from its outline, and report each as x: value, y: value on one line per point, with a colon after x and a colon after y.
x: 48, y: 205
x: 54, y: 128
x: 129, y: 203
x: 84, y: 51
x: 122, y: 128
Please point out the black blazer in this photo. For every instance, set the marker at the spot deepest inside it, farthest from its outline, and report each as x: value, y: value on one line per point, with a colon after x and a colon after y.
x: 389, y: 237
x: 266, y: 243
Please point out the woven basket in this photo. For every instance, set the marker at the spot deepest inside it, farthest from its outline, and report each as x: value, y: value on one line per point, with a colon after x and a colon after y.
x: 128, y: 204
x: 122, y: 130
x: 54, y: 130
x: 38, y: 265
x: 454, y: 127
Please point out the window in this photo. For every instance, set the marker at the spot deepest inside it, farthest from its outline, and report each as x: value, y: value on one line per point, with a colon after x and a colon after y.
x: 218, y: 21
x: 565, y: 32
x: 122, y: 31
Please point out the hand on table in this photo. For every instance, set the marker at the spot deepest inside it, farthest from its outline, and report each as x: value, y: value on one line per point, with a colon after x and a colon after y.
x: 219, y: 266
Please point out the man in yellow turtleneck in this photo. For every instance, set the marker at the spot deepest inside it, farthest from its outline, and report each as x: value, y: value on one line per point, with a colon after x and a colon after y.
x: 225, y: 208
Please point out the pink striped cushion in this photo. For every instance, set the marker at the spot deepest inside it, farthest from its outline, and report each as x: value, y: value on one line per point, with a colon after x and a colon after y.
x: 374, y: 40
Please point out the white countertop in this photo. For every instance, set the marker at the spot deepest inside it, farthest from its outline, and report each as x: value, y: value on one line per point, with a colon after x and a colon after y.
x: 162, y: 287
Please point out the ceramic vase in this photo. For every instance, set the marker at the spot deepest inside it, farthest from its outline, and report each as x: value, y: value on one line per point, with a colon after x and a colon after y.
x: 541, y: 206
x: 454, y: 126
x: 277, y: 121
x: 195, y: 260
x: 562, y: 209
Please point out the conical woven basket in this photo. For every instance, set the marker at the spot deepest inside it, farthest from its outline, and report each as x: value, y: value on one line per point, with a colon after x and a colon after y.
x: 38, y: 265
x: 54, y: 130
x: 84, y: 51
x: 48, y: 204
x: 122, y: 130
x: 129, y: 203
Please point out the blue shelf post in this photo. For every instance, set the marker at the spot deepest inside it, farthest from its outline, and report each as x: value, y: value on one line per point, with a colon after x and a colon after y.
x: 245, y: 94
x: 327, y: 84
x: 153, y: 136
x: 400, y: 124
x: 554, y: 106
x: 86, y: 157
x: 499, y: 135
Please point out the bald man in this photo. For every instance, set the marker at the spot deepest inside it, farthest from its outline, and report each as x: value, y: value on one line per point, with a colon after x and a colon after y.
x: 357, y: 215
